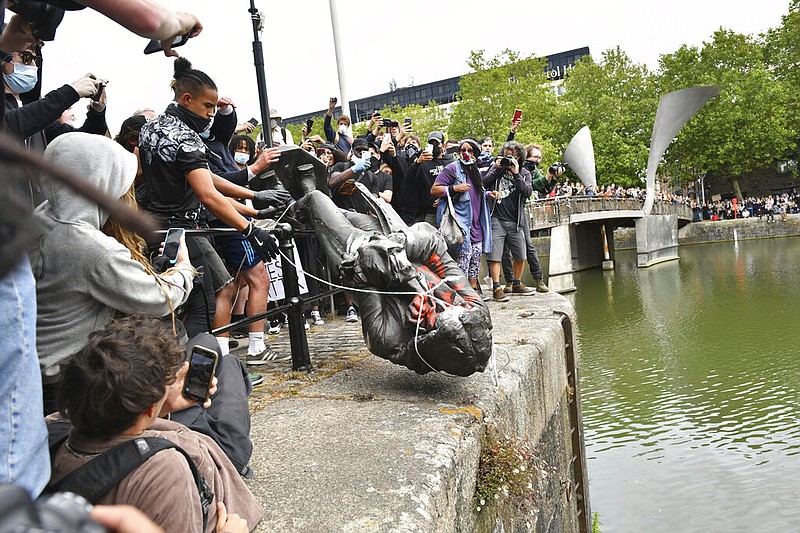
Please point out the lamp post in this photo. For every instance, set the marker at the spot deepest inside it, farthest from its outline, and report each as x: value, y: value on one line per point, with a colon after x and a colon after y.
x: 261, y: 81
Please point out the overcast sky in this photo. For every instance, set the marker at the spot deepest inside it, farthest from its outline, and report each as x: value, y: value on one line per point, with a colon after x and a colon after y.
x: 410, y: 41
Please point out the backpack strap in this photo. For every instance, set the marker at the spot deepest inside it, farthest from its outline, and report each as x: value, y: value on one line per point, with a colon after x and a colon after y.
x: 94, y: 479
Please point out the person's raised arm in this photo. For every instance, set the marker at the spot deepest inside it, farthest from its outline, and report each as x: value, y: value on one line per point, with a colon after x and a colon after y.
x: 150, y: 19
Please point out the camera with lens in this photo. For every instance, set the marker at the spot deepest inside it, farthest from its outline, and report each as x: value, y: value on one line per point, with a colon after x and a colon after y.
x: 389, y: 123
x: 43, y: 18
x: 556, y: 167
x: 61, y: 512
x: 506, y: 161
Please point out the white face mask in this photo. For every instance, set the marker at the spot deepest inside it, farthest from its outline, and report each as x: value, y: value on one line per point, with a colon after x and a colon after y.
x: 342, y: 129
x: 23, y: 79
x: 241, y: 157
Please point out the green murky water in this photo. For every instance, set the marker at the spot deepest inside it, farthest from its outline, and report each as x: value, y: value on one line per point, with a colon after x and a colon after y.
x: 690, y: 374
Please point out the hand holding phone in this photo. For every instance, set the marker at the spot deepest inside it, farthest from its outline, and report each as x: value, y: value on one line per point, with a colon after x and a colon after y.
x: 172, y: 244
x: 253, y: 121
x: 155, y: 46
x: 199, y: 378
x: 517, y: 115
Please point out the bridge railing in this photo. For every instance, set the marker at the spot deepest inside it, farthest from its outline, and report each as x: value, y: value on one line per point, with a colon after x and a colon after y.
x: 549, y: 212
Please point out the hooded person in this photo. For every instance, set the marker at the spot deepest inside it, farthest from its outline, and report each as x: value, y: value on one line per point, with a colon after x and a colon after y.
x: 460, y: 181
x: 83, y: 275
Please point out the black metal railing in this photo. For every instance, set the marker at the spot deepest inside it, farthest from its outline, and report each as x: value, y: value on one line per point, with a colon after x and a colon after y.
x: 294, y: 301
x: 550, y: 212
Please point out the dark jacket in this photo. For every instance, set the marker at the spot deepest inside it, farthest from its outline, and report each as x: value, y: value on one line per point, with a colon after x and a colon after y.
x: 522, y: 182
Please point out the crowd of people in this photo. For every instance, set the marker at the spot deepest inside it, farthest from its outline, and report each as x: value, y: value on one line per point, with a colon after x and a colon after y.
x: 102, y: 327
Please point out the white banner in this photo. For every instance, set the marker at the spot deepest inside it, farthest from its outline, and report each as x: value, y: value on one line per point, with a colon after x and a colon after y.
x: 275, y: 273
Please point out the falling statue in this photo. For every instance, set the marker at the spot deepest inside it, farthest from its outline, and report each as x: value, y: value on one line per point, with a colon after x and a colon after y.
x: 417, y: 307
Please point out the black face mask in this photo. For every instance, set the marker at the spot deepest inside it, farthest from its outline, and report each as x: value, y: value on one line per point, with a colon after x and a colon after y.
x: 411, y: 151
x: 437, y: 151
x: 194, y: 121
x: 529, y: 165
x: 375, y: 163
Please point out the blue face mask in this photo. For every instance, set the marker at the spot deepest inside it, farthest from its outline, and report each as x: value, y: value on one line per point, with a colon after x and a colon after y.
x: 241, y: 157
x: 23, y: 79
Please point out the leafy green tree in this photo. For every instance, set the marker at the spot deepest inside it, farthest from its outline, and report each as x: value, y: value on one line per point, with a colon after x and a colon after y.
x: 617, y: 100
x: 783, y: 55
x: 746, y: 127
x: 497, y: 86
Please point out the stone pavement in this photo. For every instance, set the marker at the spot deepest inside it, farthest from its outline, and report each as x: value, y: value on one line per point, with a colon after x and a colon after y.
x: 334, y: 346
x: 361, y: 445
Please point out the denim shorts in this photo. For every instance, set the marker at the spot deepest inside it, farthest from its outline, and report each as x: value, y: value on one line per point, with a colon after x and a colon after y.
x: 507, y: 235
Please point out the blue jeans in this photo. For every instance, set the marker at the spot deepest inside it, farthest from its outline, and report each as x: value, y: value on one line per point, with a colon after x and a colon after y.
x: 24, y: 453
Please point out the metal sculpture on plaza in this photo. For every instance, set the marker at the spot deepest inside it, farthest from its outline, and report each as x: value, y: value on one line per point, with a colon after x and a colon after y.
x: 417, y: 308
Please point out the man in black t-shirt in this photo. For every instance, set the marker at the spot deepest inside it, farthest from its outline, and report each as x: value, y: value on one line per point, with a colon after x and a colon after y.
x: 513, y: 182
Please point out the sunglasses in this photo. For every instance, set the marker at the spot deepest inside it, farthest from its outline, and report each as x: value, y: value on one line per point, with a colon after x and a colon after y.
x: 467, y: 151
x: 29, y: 57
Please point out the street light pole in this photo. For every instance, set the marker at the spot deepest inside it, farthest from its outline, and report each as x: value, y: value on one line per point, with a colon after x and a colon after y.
x: 261, y: 81
x: 702, y: 177
x: 337, y: 47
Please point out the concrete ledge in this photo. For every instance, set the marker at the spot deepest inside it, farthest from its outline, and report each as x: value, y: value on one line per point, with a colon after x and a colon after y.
x: 378, y: 448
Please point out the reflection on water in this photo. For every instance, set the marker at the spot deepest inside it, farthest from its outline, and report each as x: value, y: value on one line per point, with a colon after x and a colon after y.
x: 689, y: 375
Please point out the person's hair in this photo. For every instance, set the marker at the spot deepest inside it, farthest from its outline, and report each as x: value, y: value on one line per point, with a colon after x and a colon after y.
x: 130, y: 240
x: 484, y: 139
x: 128, y: 134
x: 530, y: 147
x: 123, y: 370
x: 409, y: 137
x: 189, y: 80
x: 237, y: 140
x: 519, y: 151
x: 345, y: 117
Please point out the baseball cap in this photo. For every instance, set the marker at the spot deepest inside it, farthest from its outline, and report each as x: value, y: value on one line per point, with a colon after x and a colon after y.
x: 436, y: 136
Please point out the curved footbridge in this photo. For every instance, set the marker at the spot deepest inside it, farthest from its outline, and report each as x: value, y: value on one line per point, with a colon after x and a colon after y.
x: 582, y: 229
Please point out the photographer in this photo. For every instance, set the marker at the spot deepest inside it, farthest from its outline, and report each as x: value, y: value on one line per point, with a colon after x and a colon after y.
x: 513, y: 184
x: 427, y: 166
x: 341, y: 138
x: 130, y: 374
x: 543, y: 183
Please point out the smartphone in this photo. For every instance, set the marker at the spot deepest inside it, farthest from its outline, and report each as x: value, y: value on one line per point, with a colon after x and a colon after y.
x: 309, y: 123
x: 202, y: 365
x: 155, y: 46
x: 387, y: 137
x: 517, y: 115
x: 429, y: 148
x: 172, y: 244
x: 253, y: 121
x: 407, y: 122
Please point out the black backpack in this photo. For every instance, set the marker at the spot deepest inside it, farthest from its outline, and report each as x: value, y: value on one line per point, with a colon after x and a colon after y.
x: 95, y: 478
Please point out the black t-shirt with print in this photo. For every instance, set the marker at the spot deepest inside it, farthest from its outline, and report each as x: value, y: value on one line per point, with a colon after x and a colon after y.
x: 168, y: 150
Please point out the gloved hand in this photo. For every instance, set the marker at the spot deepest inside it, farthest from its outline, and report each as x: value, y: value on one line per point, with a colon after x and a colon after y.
x: 268, y: 212
x: 272, y: 197
x: 361, y: 164
x: 261, y: 241
x: 86, y: 86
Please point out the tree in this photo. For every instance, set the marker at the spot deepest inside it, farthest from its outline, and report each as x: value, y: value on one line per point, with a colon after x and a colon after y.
x: 617, y: 100
x: 745, y: 128
x: 497, y: 86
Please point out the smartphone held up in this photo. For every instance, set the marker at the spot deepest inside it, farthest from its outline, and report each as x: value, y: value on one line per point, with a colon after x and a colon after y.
x: 172, y: 243
x: 202, y: 365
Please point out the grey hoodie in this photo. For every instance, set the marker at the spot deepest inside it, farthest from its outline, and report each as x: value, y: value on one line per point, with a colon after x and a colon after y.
x: 82, y: 275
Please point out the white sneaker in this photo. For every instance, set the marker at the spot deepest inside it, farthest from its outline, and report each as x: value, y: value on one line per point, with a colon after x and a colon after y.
x: 352, y: 315
x: 274, y: 327
x: 317, y: 318
x: 306, y: 325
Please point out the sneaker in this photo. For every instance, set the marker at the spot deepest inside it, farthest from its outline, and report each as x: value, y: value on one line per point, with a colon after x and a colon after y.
x: 233, y: 344
x: 274, y: 327
x: 256, y: 379
x: 508, y: 288
x: 306, y: 325
x: 540, y: 286
x: 499, y: 295
x: 267, y: 356
x: 238, y: 334
x: 352, y: 315
x: 521, y: 289
x: 317, y: 318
